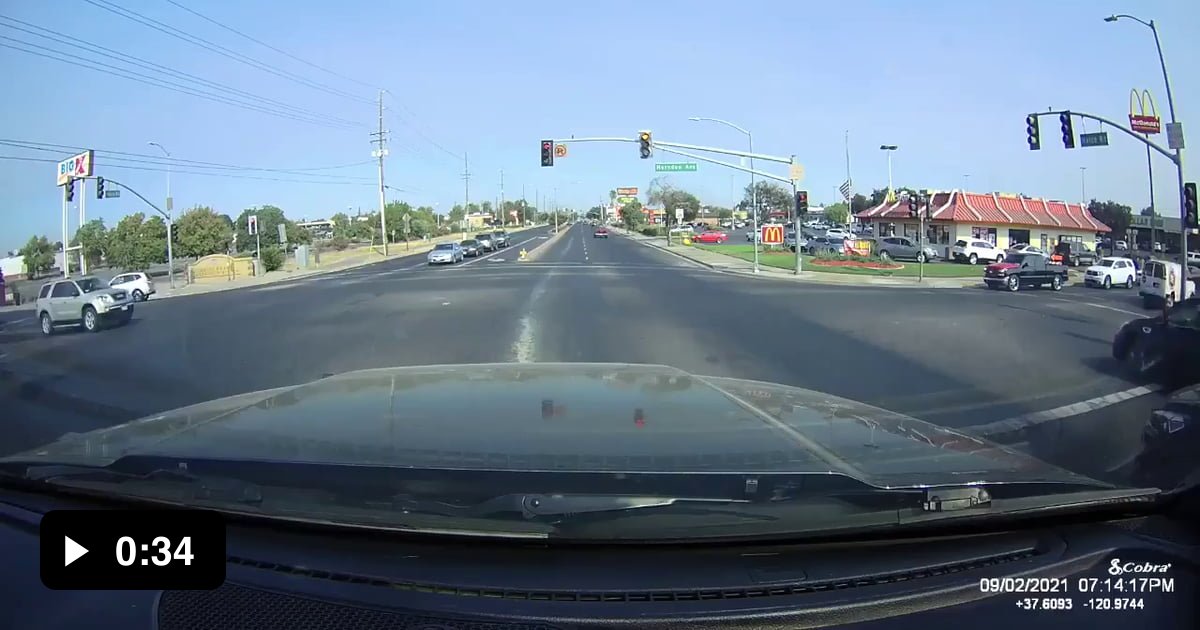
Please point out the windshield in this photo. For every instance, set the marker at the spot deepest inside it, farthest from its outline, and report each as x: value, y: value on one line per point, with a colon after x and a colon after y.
x: 88, y: 285
x: 318, y: 306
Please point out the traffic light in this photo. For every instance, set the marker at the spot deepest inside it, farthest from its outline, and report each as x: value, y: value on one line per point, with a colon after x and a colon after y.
x: 99, y: 187
x: 547, y: 153
x: 1190, y: 218
x: 69, y: 190
x: 928, y: 210
x: 1067, y: 132
x: 801, y: 202
x: 644, y: 148
x: 914, y: 206
x: 1031, y: 128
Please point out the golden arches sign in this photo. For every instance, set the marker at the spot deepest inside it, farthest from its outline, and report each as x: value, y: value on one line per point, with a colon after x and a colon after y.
x: 1140, y: 120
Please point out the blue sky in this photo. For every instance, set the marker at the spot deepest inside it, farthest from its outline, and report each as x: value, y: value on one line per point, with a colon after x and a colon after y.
x: 949, y: 82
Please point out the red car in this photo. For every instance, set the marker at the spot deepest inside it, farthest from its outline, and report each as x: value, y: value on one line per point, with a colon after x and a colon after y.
x: 600, y: 233
x: 712, y: 236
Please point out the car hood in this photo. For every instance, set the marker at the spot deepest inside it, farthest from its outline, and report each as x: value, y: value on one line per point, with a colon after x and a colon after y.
x: 561, y: 417
x: 1002, y: 266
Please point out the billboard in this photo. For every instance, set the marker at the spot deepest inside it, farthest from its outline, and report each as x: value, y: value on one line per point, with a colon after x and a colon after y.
x: 75, y: 166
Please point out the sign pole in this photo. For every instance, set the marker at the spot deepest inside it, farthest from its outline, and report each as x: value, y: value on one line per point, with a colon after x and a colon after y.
x: 66, y: 263
x: 82, y: 214
x: 796, y: 228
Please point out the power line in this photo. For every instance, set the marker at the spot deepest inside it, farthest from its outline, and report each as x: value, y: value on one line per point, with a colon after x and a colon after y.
x: 149, y: 65
x: 157, y: 159
x: 177, y: 171
x: 124, y: 73
x: 219, y: 49
x: 262, y: 43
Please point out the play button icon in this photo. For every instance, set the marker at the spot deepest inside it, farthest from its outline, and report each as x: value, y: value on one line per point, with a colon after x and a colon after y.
x: 73, y: 551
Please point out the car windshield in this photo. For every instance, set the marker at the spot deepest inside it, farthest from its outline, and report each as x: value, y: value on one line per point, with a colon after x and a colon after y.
x: 88, y: 285
x: 784, y: 293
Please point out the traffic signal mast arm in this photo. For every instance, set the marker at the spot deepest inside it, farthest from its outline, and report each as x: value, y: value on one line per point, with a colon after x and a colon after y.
x: 1133, y: 134
x: 672, y: 147
x: 138, y: 195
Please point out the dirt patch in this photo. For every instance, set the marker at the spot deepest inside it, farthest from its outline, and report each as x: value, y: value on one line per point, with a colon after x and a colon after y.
x: 861, y: 264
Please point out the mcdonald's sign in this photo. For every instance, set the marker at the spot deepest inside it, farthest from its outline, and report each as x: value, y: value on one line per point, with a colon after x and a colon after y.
x: 1140, y: 120
x: 772, y: 234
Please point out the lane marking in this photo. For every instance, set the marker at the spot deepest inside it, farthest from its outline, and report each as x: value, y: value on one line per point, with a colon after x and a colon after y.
x: 1017, y: 423
x: 1104, y: 306
x: 524, y: 348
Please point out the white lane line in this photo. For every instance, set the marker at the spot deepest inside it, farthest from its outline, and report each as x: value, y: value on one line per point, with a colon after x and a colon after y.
x: 1023, y: 421
x: 1104, y: 306
x: 524, y: 349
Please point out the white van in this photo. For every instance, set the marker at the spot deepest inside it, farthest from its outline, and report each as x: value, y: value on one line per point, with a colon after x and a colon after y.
x: 1154, y: 283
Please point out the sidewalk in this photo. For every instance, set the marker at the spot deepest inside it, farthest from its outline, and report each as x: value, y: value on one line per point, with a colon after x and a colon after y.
x: 733, y: 264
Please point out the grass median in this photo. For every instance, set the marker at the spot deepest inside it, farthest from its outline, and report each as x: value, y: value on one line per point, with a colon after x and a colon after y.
x: 787, y: 260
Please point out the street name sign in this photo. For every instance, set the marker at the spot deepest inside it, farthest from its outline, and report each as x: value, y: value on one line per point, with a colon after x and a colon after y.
x: 109, y: 194
x: 626, y: 199
x: 674, y: 167
x: 1098, y: 139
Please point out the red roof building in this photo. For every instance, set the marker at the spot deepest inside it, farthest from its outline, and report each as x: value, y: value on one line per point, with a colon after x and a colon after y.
x: 1001, y: 218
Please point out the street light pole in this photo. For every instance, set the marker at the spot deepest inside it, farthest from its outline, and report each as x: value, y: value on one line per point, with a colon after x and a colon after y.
x: 753, y: 188
x: 889, y: 148
x: 170, y: 217
x: 1162, y: 62
x: 1083, y: 185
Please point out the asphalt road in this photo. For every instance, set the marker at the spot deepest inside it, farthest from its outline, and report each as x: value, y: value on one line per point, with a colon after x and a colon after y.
x: 958, y: 358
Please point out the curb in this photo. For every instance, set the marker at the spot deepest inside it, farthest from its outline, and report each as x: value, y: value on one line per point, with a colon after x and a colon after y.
x: 774, y: 275
x: 533, y: 254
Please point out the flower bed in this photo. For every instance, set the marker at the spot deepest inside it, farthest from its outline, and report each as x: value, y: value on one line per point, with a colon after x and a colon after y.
x: 861, y: 264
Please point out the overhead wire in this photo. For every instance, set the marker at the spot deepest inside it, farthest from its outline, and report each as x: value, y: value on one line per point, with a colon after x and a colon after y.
x: 134, y: 16
x: 97, y: 49
x: 124, y: 73
x: 177, y: 171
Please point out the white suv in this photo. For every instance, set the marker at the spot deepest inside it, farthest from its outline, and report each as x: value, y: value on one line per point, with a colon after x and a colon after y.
x: 139, y: 285
x: 1111, y: 270
x: 975, y: 250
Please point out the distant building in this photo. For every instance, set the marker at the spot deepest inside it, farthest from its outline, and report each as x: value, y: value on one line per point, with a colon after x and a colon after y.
x: 320, y: 229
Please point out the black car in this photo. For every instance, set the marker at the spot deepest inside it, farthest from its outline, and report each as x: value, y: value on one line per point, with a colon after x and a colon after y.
x: 471, y: 247
x: 501, y: 238
x: 1162, y: 349
x: 1075, y: 254
x: 1169, y: 442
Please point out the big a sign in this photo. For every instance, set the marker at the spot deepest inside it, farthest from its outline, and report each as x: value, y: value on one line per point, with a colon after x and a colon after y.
x: 75, y: 167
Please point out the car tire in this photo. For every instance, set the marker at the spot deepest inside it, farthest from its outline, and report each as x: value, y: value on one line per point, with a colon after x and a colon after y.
x: 1056, y: 283
x: 47, y: 324
x: 1170, y: 299
x: 921, y: 257
x: 1135, y: 364
x: 1107, y: 282
x: 973, y: 259
x: 138, y: 296
x: 90, y: 321
x: 1129, y: 282
x: 1013, y: 283
x: 884, y: 256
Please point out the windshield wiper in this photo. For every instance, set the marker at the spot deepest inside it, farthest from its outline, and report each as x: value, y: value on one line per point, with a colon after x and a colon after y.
x: 531, y: 506
x: 203, y: 487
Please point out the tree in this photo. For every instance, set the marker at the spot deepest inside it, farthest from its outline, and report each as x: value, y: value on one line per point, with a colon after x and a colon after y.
x: 201, y: 231
x: 93, y: 237
x: 1149, y: 211
x: 269, y: 218
x: 878, y: 195
x: 631, y: 215
x: 771, y: 197
x: 860, y: 203
x: 138, y: 242
x: 837, y: 212
x: 594, y: 212
x: 1116, y: 216
x: 38, y: 254
x: 341, y: 225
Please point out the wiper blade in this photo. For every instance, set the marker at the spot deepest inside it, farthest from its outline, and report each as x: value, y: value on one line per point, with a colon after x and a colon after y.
x: 531, y: 506
x: 201, y: 486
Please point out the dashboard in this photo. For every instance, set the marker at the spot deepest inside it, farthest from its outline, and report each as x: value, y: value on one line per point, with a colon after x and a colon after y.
x: 1133, y: 572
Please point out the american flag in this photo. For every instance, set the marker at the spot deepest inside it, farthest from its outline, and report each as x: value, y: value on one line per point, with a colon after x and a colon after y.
x: 845, y: 188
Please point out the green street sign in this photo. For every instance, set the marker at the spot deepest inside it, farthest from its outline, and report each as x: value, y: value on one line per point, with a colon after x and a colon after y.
x: 1098, y: 139
x: 674, y: 167
x: 626, y: 199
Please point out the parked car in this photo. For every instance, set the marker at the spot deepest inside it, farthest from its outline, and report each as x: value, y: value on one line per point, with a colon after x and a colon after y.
x: 488, y: 241
x: 1162, y: 349
x: 1075, y: 254
x: 900, y: 247
x: 826, y: 245
x: 682, y: 229
x: 838, y: 233
x: 471, y: 247
x: 711, y: 236
x: 1121, y: 246
x: 445, y: 253
x: 1155, y: 278
x: 1024, y: 270
x: 139, y: 285
x: 600, y: 233
x: 1026, y: 248
x: 501, y: 238
x: 86, y: 302
x: 974, y: 250
x: 1109, y: 271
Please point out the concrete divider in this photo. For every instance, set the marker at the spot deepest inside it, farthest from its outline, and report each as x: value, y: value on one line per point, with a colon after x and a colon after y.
x: 534, y: 253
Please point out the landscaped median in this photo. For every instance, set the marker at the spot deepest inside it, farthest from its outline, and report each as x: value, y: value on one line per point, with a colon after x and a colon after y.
x: 787, y: 260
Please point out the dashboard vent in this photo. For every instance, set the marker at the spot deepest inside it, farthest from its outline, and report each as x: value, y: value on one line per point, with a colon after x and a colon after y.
x: 235, y: 606
x: 755, y: 591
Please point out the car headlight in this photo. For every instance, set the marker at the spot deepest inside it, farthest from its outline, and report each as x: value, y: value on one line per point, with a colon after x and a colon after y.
x: 104, y: 297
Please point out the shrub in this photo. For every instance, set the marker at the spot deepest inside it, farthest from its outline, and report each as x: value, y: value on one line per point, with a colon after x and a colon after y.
x: 652, y: 231
x: 272, y: 258
x: 339, y: 243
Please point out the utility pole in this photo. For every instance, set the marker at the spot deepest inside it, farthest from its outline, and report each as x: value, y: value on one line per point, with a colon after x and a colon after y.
x: 524, y: 211
x: 466, y: 175
x: 380, y: 153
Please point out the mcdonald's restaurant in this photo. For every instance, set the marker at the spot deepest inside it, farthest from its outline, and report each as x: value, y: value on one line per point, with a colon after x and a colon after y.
x: 1002, y: 219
